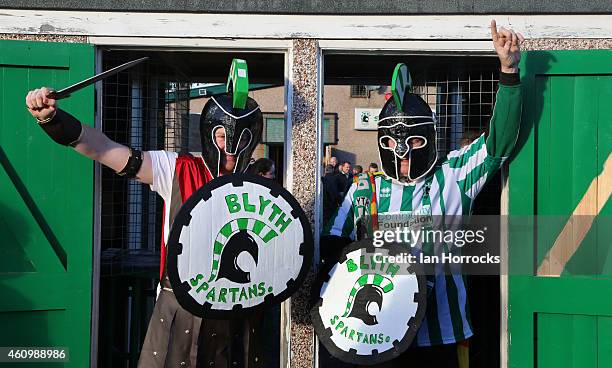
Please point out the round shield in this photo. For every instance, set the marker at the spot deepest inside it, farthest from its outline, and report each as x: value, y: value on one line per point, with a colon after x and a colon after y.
x: 371, y: 304
x: 237, y: 244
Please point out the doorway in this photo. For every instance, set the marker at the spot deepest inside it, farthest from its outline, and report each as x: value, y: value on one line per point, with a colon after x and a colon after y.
x: 156, y: 106
x: 461, y: 91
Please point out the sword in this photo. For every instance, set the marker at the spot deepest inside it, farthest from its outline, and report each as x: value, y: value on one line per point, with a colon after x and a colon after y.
x: 63, y: 93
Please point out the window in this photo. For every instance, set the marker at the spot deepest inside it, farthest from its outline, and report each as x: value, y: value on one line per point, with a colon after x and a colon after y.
x: 274, y: 128
x: 359, y: 91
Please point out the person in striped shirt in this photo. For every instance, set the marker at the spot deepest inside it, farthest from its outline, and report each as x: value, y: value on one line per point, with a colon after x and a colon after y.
x: 417, y: 181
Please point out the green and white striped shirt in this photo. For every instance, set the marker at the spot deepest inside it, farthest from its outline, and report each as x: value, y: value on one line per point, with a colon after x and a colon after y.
x: 452, y: 187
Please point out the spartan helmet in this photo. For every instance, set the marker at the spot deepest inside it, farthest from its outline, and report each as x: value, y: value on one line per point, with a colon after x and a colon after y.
x: 240, y: 117
x: 242, y: 131
x: 366, y: 297
x: 404, y: 120
x: 239, y: 245
x: 397, y: 129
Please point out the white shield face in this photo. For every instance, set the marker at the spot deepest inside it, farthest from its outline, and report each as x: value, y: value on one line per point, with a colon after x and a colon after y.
x: 238, y: 246
x: 371, y: 306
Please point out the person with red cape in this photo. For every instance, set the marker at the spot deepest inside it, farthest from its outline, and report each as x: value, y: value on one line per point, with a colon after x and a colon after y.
x: 230, y: 129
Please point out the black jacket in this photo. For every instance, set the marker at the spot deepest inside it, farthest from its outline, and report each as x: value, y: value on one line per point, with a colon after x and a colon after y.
x: 342, y: 182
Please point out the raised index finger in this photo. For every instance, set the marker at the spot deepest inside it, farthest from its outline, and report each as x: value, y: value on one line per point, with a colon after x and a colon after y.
x: 494, y: 30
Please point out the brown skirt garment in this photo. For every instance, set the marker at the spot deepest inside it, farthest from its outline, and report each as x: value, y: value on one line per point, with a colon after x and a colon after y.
x: 172, y: 336
x: 172, y: 339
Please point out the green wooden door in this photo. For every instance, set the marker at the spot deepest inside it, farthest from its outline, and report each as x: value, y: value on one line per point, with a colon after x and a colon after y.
x: 560, y: 284
x: 46, y: 204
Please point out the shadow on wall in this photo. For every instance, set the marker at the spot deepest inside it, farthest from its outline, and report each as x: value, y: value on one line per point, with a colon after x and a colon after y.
x: 342, y: 155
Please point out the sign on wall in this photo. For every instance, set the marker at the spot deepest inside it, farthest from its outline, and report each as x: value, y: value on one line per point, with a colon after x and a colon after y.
x: 240, y: 242
x: 366, y: 118
x: 371, y: 306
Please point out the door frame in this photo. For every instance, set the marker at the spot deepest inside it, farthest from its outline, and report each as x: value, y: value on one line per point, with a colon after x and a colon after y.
x: 439, y: 48
x: 169, y: 26
x: 102, y: 44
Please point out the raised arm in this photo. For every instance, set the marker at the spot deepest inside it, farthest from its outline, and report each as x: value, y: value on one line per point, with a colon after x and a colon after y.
x: 506, y: 118
x: 64, y: 129
x: 476, y: 163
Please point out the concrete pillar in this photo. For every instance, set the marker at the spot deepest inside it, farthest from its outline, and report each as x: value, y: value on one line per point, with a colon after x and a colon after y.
x: 304, y: 169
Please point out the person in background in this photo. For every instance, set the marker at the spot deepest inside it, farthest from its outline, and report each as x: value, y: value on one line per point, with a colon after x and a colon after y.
x: 343, y: 179
x: 373, y: 168
x: 357, y: 169
x: 331, y: 197
x: 263, y: 167
x: 333, y: 161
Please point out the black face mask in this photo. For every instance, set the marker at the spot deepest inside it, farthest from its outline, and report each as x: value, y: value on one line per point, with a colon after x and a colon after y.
x: 399, y: 131
x: 242, y: 127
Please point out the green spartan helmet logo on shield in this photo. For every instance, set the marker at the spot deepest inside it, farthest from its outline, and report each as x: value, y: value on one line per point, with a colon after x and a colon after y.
x: 366, y: 297
x: 232, y: 241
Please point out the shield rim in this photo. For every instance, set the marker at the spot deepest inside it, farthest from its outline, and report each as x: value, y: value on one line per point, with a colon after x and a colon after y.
x: 416, y: 320
x: 183, y: 217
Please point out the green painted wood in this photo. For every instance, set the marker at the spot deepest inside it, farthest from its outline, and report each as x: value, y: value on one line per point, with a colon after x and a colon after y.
x: 584, y: 163
x: 566, y: 161
x: 564, y: 140
x: 46, y: 199
x: 571, y: 350
x: 589, y: 296
x: 604, y: 341
x: 604, y: 222
x: 51, y: 57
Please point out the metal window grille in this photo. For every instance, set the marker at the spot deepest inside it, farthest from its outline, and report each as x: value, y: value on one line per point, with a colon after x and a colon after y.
x: 137, y: 113
x: 463, y: 102
x: 359, y: 91
x: 463, y: 97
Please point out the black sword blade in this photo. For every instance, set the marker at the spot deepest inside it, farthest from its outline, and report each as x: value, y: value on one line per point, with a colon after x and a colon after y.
x: 63, y: 93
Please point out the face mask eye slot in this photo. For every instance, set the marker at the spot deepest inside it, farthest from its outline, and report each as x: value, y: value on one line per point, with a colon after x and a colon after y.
x: 413, y: 140
x: 219, y: 134
x: 387, y: 142
x: 245, y: 139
